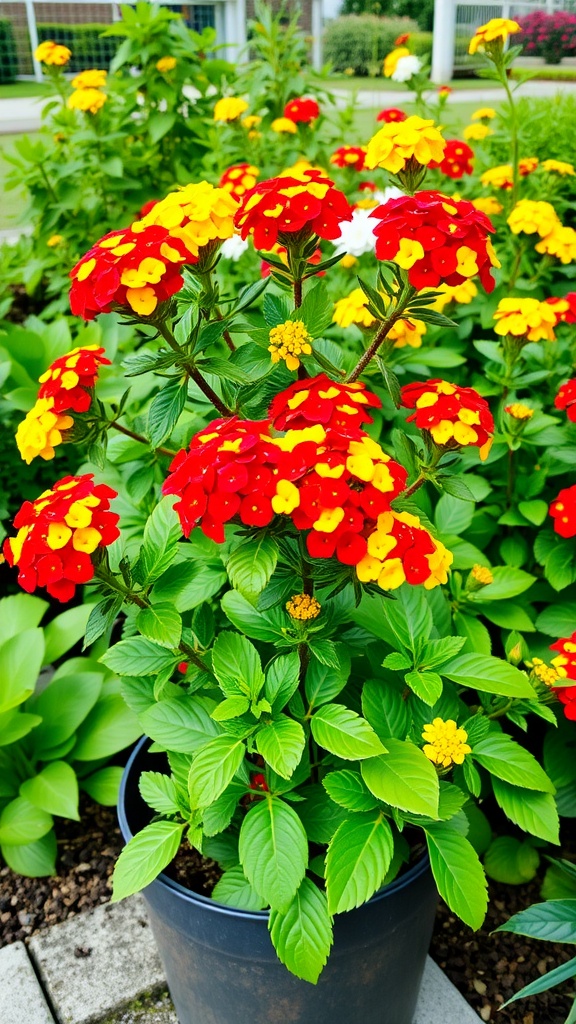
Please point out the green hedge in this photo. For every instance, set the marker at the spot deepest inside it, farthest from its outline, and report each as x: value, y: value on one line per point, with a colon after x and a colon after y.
x: 8, y: 54
x: 362, y: 41
x: 89, y: 50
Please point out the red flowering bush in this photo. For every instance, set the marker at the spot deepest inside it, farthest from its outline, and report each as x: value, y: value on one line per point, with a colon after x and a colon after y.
x: 58, y: 533
x: 552, y: 36
x: 566, y: 399
x: 341, y: 408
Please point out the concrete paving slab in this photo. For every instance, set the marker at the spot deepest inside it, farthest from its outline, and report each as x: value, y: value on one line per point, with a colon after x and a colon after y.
x: 95, y: 964
x: 440, y: 1001
x: 154, y: 1010
x: 22, y: 114
x: 21, y: 998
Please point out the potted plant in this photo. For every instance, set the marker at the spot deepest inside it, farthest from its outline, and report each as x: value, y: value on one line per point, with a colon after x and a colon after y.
x: 319, y: 723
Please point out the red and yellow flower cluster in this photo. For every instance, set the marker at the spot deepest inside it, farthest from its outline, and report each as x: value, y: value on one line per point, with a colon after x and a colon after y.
x: 65, y: 387
x: 391, y: 114
x: 302, y: 111
x: 565, y: 666
x: 454, y: 416
x: 457, y: 159
x: 58, y: 533
x: 349, y: 156
x: 324, y: 472
x: 131, y: 268
x: 239, y: 179
x: 563, y: 512
x: 436, y: 239
x: 286, y: 205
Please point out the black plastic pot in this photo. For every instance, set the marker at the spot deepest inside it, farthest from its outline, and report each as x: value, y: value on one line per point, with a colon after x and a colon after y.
x: 221, y: 967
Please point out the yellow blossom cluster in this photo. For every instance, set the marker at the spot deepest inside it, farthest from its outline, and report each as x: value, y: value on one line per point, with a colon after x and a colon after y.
x: 166, y: 64
x: 477, y: 132
x: 493, y: 35
x: 519, y: 411
x: 545, y: 673
x: 445, y: 742
x: 53, y: 54
x: 488, y: 205
x: 460, y: 293
x: 303, y: 607
x: 230, y: 108
x: 197, y: 214
x: 288, y: 341
x: 533, y: 217
x: 399, y: 142
x: 557, y: 167
x: 41, y: 431
x: 482, y: 574
x: 526, y: 318
x: 88, y: 96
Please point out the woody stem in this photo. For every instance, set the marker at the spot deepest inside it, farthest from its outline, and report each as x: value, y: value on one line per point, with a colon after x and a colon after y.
x: 374, y: 346
x: 139, y: 437
x: 195, y: 374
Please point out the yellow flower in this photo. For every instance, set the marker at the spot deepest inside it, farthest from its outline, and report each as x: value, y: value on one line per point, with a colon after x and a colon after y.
x: 499, y: 177
x: 303, y: 607
x: 481, y: 574
x: 533, y: 217
x: 545, y: 673
x: 477, y: 132
x: 298, y: 170
x: 288, y: 341
x: 525, y: 318
x: 488, y: 205
x: 54, y: 240
x: 198, y: 214
x: 400, y: 141
x: 527, y: 165
x: 348, y: 261
x: 91, y: 79
x: 41, y: 431
x: 391, y: 61
x: 407, y: 332
x: 50, y: 52
x: 561, y: 243
x: 461, y: 293
x: 87, y: 100
x: 483, y: 114
x: 519, y: 411
x: 166, y: 64
x: 445, y: 742
x: 229, y: 108
x: 251, y: 121
x: 284, y: 124
x: 352, y: 310
x: 557, y: 167
x: 495, y: 31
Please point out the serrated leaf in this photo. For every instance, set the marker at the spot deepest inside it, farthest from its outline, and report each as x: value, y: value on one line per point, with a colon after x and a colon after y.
x: 234, y: 890
x: 101, y: 619
x: 553, y: 921
x: 230, y: 707
x: 403, y: 777
x: 237, y: 667
x: 344, y: 733
x: 165, y: 410
x: 357, y: 861
x: 488, y: 674
x: 458, y: 873
x: 503, y: 757
x: 138, y: 656
x: 281, y: 743
x: 251, y: 565
x: 161, y: 535
x: 160, y: 623
x: 145, y: 856
x: 535, y: 813
x: 348, y: 789
x: 426, y: 685
x: 159, y: 792
x: 302, y: 934
x: 323, y: 682
x: 213, y: 767
x: 274, y: 851
x: 179, y: 724
x: 386, y: 710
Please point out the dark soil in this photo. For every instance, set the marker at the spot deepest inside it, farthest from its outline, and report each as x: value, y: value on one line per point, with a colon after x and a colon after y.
x: 487, y: 969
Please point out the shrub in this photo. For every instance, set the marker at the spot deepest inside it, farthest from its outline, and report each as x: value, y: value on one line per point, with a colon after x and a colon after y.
x: 89, y: 48
x: 362, y: 41
x: 8, y: 54
x: 421, y: 10
x: 552, y: 36
x: 539, y: 120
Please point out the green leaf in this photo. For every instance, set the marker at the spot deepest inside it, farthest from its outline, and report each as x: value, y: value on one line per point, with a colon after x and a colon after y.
x: 230, y: 707
x: 558, y: 619
x: 508, y: 615
x: 386, y: 710
x: 21, y: 658
x: 64, y: 631
x: 101, y: 619
x: 426, y: 685
x: 236, y: 664
x: 344, y: 733
x: 489, y: 675
x: 401, y: 622
x: 319, y: 814
x: 404, y: 778
x: 160, y: 623
x: 218, y: 816
x: 104, y: 785
x: 553, y: 921
x: 110, y: 726
x: 535, y: 510
x: 348, y: 789
x: 161, y: 535
x: 251, y: 565
x: 63, y: 706
x: 145, y: 856
x: 165, y: 410
x: 138, y: 656
x: 535, y: 813
x: 159, y: 792
x: 257, y: 625
x: 458, y: 873
x: 19, y: 612
x: 234, y: 890
x: 549, y: 980
x: 501, y: 756
x: 323, y: 682
x: 477, y: 636
x: 510, y: 861
x: 54, y: 789
x: 14, y: 725
x: 281, y: 743
x: 453, y: 515
x: 34, y: 860
x: 282, y: 678
x: 21, y: 822
x: 179, y: 724
x: 302, y: 934
x: 357, y: 861
x: 508, y: 582
x: 213, y: 767
x: 159, y: 124
x: 274, y: 851
x: 188, y: 584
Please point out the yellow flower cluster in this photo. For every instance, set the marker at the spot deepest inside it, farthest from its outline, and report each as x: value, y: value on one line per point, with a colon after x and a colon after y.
x: 481, y: 574
x: 93, y: 78
x: 88, y: 96
x: 533, y: 217
x: 389, y: 573
x: 407, y: 332
x: 52, y: 53
x: 483, y: 114
x: 498, y: 177
x: 561, y: 243
x: 525, y: 318
x: 230, y: 108
x: 303, y: 607
x: 198, y: 214
x: 477, y: 132
x: 41, y: 431
x: 446, y: 431
x: 460, y: 293
x: 488, y: 205
x: 353, y: 310
x: 166, y: 64
x: 391, y: 61
x: 496, y: 31
x: 398, y: 142
x: 284, y: 124
x: 445, y: 743
x: 519, y: 411
x: 288, y: 341
x: 557, y: 167
x: 545, y: 673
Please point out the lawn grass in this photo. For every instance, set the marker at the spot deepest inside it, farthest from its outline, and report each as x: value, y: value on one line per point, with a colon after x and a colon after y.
x: 13, y: 203
x: 16, y: 90
x: 456, y: 117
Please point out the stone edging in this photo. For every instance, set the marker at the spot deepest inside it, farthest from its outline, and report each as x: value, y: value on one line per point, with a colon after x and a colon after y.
x: 103, y: 968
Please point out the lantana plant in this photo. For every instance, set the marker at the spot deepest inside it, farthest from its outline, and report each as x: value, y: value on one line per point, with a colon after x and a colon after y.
x: 294, y: 642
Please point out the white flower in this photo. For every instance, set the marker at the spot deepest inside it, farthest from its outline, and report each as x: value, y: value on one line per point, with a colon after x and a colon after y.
x: 233, y: 248
x: 134, y: 71
x: 162, y: 106
x: 183, y: 110
x: 191, y: 93
x: 389, y: 193
x: 357, y: 235
x: 405, y: 68
x: 211, y: 91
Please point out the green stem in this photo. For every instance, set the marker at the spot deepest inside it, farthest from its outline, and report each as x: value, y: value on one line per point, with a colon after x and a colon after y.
x: 513, y: 134
x: 374, y: 346
x: 47, y: 182
x: 503, y: 710
x: 298, y: 293
x: 139, y: 437
x: 510, y: 478
x: 194, y: 373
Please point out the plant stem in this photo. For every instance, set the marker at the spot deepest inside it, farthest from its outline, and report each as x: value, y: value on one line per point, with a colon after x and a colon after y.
x: 298, y: 293
x: 513, y: 133
x: 380, y: 336
x: 195, y: 374
x: 139, y: 437
x: 414, y: 487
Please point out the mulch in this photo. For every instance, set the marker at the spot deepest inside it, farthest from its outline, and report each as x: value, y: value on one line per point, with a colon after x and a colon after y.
x: 486, y: 968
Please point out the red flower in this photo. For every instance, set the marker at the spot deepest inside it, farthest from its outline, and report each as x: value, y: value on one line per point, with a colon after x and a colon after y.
x: 402, y: 39
x: 349, y: 156
x: 302, y: 110
x: 563, y: 512
x: 238, y: 179
x: 567, y: 316
x: 69, y: 379
x: 457, y: 159
x: 280, y: 207
x: 566, y: 399
x: 128, y: 269
x: 57, y: 534
x: 340, y: 408
x: 390, y: 114
x: 438, y: 240
x: 144, y: 210
x: 455, y: 417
